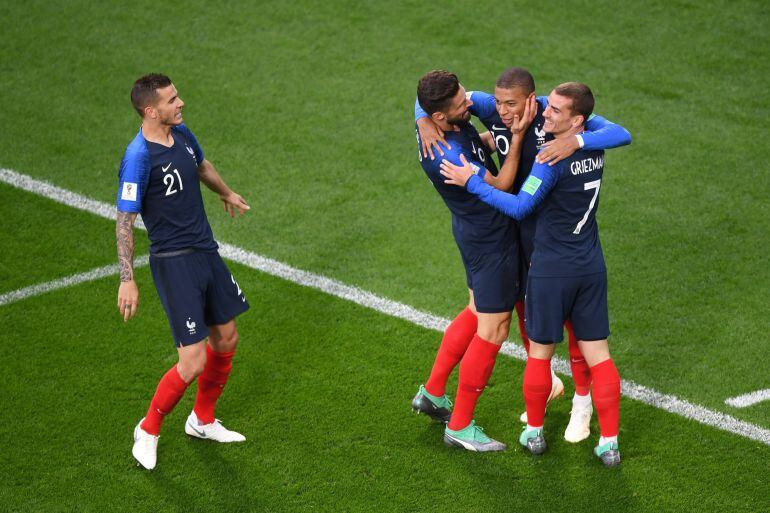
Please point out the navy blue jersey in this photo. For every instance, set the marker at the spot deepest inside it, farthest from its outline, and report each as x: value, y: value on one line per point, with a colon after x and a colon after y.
x: 567, y: 194
x: 485, y: 108
x: 600, y: 133
x: 162, y: 184
x: 477, y: 227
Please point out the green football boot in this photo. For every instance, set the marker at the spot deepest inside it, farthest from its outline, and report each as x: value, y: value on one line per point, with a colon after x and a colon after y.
x: 608, y: 453
x: 437, y: 408
x: 472, y: 438
x: 533, y: 440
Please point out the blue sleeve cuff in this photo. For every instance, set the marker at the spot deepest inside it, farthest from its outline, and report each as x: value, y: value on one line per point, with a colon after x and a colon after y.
x: 419, y: 112
x: 474, y: 182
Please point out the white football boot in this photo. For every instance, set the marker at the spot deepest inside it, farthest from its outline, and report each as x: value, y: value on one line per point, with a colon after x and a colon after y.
x: 557, y: 390
x: 145, y: 448
x: 214, y: 431
x: 579, y: 427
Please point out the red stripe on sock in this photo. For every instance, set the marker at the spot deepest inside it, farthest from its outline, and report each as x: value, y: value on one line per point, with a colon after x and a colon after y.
x: 606, y: 395
x: 536, y: 389
x: 170, y: 390
x: 211, y: 382
x: 457, y: 337
x: 520, y: 312
x: 475, y: 369
x: 581, y: 374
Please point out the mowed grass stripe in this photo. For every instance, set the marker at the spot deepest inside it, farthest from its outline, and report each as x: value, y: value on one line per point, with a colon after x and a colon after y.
x: 632, y: 390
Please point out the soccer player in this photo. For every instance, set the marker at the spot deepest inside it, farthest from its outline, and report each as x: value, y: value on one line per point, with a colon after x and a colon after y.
x: 568, y: 277
x: 489, y: 253
x: 514, y: 88
x: 160, y: 177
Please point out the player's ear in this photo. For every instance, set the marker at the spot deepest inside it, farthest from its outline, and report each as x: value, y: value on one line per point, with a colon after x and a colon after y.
x: 578, y: 120
x: 438, y: 116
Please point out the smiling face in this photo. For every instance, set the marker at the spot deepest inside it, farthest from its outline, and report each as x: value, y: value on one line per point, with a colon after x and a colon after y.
x: 167, y: 107
x: 510, y: 103
x: 559, y: 117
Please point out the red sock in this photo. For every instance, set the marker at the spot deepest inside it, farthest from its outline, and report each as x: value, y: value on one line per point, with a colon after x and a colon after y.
x: 211, y: 382
x: 170, y: 390
x: 607, y: 396
x: 536, y: 388
x: 475, y: 369
x: 581, y: 374
x: 456, y: 339
x: 522, y: 328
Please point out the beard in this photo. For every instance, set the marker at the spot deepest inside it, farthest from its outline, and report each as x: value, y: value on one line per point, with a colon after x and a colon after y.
x: 464, y: 118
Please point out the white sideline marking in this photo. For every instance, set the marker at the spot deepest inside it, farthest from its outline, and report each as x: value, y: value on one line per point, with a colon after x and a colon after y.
x: 750, y: 399
x: 630, y: 389
x: 42, y: 288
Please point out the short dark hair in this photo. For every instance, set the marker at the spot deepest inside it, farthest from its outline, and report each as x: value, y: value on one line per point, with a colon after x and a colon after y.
x: 516, y: 77
x: 435, y: 89
x: 581, y: 95
x: 146, y: 89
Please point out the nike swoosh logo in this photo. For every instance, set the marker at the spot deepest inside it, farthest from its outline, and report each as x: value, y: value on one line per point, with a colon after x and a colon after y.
x: 495, y: 127
x: 166, y: 168
x: 202, y: 433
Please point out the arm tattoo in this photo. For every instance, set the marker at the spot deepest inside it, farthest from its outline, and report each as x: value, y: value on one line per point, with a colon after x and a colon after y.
x: 125, y: 236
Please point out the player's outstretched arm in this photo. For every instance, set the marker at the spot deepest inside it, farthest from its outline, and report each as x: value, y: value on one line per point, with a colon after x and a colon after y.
x: 533, y: 191
x: 128, y: 292
x: 600, y: 135
x: 232, y: 201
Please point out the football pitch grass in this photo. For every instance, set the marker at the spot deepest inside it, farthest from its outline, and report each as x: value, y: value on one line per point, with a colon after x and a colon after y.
x: 306, y: 110
x: 322, y: 391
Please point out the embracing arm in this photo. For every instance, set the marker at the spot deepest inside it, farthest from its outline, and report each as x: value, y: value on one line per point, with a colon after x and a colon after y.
x: 600, y: 134
x: 430, y: 134
x: 209, y: 176
x: 534, y: 190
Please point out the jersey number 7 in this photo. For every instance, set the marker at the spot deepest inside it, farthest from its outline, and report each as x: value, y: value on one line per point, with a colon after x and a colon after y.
x: 588, y: 186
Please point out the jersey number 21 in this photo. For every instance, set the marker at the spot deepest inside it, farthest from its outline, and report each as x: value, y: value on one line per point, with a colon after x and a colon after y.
x: 168, y: 180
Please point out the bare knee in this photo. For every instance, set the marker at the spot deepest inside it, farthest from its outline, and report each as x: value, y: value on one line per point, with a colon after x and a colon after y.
x: 189, y: 371
x: 541, y: 351
x: 224, y: 342
x: 192, y: 360
x: 594, y: 351
x: 494, y: 327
